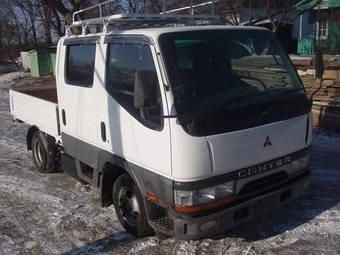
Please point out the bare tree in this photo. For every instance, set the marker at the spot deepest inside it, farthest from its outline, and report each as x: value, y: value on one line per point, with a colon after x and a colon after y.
x: 66, y: 10
x: 63, y: 10
x: 22, y: 22
x: 154, y: 6
x: 8, y: 35
x: 46, y: 15
x: 16, y: 25
x: 28, y: 10
x: 231, y: 10
x: 277, y: 11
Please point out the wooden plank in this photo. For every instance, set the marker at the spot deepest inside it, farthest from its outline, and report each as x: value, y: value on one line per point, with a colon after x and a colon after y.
x: 326, y: 117
x: 333, y: 92
x: 317, y: 97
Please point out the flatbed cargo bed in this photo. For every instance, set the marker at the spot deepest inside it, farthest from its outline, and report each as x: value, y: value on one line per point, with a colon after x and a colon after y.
x: 36, y: 106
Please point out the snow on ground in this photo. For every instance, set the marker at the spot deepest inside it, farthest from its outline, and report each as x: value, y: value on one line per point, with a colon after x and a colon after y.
x: 54, y: 214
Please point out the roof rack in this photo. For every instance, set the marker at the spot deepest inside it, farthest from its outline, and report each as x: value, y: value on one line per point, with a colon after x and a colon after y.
x: 126, y: 21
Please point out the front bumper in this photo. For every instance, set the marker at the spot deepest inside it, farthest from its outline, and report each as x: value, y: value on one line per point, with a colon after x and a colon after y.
x: 191, y: 228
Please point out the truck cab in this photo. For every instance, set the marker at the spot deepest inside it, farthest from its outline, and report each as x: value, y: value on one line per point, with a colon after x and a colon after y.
x: 187, y: 131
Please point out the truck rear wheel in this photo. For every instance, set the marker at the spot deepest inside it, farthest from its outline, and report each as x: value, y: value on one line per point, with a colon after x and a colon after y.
x: 129, y: 206
x: 44, y: 159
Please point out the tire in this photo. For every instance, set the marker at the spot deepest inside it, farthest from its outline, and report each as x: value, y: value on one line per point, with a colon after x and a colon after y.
x: 129, y: 207
x: 44, y: 159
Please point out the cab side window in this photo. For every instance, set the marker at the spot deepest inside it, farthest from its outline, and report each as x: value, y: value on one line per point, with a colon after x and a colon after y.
x: 80, y: 65
x: 124, y: 61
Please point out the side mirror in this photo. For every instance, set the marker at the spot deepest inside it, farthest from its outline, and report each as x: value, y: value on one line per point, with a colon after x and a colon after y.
x: 145, y: 89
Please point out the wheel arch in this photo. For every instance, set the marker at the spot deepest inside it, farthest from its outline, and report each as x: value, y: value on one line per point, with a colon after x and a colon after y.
x: 111, y: 172
x: 51, y: 161
x: 29, y: 136
x: 48, y: 140
x: 110, y: 167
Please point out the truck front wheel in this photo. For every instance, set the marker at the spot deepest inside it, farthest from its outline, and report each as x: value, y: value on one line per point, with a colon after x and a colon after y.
x: 129, y: 206
x: 43, y: 158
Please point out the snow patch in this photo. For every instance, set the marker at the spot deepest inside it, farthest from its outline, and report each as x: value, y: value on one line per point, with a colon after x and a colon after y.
x: 8, y: 80
x: 143, y: 246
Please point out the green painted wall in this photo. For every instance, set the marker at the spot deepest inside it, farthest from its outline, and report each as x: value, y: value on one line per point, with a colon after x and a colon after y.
x: 333, y: 40
x: 42, y: 63
x: 53, y: 57
x: 331, y: 45
x: 306, y: 46
x: 332, y: 3
x: 306, y: 5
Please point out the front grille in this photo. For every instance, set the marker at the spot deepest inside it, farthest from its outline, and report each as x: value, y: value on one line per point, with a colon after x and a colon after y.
x: 165, y: 223
x: 263, y: 183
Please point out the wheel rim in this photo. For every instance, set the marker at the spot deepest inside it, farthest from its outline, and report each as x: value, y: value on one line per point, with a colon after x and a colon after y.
x: 38, y: 152
x: 129, y: 206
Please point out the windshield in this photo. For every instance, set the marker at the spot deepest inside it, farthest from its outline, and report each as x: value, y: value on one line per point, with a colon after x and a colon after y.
x: 217, y: 70
x: 231, y: 79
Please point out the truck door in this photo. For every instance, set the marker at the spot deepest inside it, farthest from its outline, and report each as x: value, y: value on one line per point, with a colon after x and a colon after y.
x: 139, y: 137
x: 77, y: 79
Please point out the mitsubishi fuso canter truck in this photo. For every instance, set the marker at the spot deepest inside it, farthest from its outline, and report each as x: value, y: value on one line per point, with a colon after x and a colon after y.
x: 188, y: 130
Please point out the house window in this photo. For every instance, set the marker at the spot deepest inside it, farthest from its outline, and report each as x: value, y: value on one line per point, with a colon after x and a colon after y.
x: 322, y: 27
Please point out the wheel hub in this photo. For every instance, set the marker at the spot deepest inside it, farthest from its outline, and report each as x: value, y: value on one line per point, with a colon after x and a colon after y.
x: 38, y: 151
x: 129, y: 206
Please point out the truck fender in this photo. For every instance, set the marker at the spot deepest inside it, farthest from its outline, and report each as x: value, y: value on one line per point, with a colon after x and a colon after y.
x: 48, y: 141
x: 111, y: 167
x: 29, y: 136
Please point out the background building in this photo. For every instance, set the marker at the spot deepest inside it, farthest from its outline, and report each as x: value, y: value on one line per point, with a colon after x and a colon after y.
x: 318, y: 26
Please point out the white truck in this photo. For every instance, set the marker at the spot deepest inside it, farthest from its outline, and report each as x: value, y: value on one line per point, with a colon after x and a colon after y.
x: 186, y: 130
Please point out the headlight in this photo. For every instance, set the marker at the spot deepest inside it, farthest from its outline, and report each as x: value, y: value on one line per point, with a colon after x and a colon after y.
x: 203, y: 196
x: 299, y: 164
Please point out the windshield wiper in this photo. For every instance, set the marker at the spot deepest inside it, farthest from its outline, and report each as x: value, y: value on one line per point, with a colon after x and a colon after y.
x: 268, y: 111
x: 239, y: 98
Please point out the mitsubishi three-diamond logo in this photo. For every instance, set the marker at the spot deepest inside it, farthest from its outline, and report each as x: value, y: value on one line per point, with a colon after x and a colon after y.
x: 267, y: 142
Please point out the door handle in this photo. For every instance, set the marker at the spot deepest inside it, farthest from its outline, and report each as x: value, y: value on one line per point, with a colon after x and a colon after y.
x: 63, y: 117
x: 103, y: 131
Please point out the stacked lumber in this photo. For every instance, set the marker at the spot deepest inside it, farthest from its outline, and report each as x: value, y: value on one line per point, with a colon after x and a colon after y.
x: 329, y: 94
x: 326, y: 116
x: 326, y: 102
